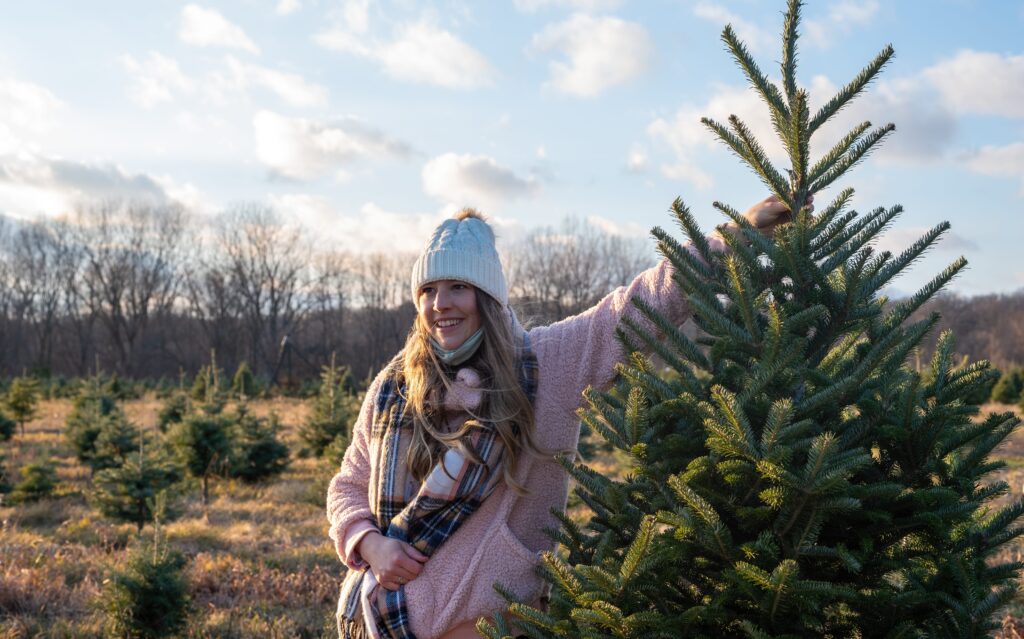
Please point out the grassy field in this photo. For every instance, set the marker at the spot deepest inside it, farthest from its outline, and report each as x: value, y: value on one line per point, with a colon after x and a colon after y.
x: 259, y: 560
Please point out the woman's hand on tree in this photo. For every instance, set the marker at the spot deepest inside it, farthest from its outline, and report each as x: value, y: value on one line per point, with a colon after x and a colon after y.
x: 766, y: 215
x: 394, y: 563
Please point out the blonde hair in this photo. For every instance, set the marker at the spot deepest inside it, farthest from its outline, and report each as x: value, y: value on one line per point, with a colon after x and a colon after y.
x: 504, y: 405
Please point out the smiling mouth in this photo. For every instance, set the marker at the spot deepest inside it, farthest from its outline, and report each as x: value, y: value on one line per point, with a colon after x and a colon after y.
x: 447, y: 323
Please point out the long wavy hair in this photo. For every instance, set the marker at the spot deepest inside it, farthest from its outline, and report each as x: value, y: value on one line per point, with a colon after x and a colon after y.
x: 503, y: 403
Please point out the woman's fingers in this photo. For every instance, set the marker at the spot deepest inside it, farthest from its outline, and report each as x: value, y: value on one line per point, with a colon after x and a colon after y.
x: 415, y: 554
x: 408, y: 567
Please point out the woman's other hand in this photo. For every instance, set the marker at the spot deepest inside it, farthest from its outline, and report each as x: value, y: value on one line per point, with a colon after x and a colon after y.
x: 393, y: 562
x: 766, y: 215
x: 770, y: 212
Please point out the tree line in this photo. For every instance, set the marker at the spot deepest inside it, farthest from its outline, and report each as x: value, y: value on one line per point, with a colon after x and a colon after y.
x: 148, y: 291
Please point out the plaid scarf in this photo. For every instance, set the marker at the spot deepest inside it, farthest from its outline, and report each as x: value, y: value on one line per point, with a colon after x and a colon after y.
x: 452, y: 492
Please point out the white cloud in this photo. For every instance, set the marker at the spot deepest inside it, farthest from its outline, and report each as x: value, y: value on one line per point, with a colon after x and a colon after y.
x: 897, y: 240
x: 532, y: 6
x: 925, y: 129
x: 356, y: 14
x: 754, y: 36
x: 155, y: 79
x: 372, y: 229
x: 32, y: 184
x: 474, y: 180
x: 621, y: 229
x: 981, y: 82
x: 542, y: 152
x: 290, y: 87
x: 999, y: 160
x: 286, y: 7
x: 601, y: 52
x: 27, y: 111
x: 208, y: 28
x: 302, y: 149
x: 420, y: 53
x: 842, y: 17
x: 637, y: 161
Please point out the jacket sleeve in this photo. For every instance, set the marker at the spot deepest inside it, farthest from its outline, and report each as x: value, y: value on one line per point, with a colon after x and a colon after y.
x: 348, y: 496
x: 582, y: 351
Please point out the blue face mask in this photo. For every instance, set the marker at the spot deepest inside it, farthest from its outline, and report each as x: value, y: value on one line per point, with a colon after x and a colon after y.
x: 459, y: 355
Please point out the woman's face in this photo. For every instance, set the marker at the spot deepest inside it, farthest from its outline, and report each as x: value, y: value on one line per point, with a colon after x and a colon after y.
x: 448, y: 309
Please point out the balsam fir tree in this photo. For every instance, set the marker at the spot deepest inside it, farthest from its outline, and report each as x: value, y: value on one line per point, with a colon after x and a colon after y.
x: 791, y: 476
x: 334, y: 410
x: 90, y: 410
x: 257, y: 454
x: 126, y: 492
x: 22, y: 400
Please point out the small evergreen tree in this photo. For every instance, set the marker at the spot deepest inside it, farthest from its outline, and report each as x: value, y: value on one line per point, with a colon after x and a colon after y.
x: 21, y: 400
x: 5, y: 485
x: 257, y: 452
x: 116, y: 388
x: 334, y: 409
x: 147, y: 597
x: 173, y: 410
x: 116, y: 440
x: 127, y: 492
x: 202, y: 443
x: 38, y: 479
x: 1010, y: 387
x: 6, y: 427
x: 92, y: 408
x: 208, y: 387
x: 243, y: 384
x: 794, y: 477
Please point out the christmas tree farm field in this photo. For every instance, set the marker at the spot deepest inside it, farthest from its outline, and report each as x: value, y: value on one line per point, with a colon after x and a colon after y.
x: 257, y: 560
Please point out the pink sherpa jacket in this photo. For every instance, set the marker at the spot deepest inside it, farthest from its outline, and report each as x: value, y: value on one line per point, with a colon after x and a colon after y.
x: 501, y: 541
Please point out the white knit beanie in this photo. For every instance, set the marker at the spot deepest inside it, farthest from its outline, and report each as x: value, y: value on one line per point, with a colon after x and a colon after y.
x: 462, y: 248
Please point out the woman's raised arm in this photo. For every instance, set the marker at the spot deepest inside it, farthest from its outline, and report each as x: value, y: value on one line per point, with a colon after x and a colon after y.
x: 582, y: 350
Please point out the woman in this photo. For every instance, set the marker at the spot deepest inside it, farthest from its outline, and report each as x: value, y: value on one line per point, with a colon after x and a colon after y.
x: 449, y: 481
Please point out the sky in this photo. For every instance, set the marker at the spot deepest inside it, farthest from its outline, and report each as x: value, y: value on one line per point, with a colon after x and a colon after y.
x: 368, y: 122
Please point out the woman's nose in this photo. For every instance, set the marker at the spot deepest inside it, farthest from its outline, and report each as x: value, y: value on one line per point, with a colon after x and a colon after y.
x: 441, y: 301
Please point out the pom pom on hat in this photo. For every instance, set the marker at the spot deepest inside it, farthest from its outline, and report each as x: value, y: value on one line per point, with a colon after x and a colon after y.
x: 462, y: 248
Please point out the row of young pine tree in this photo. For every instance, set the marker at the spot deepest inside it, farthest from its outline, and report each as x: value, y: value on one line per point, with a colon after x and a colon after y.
x: 137, y: 476
x: 197, y: 440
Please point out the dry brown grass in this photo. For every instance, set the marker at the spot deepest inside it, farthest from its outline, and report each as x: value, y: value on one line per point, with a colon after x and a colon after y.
x: 260, y: 562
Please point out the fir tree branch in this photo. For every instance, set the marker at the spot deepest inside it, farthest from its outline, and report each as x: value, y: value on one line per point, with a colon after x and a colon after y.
x: 759, y: 161
x: 673, y: 334
x: 682, y: 258
x: 875, y: 226
x: 755, y: 237
x: 904, y: 309
x: 789, y: 37
x: 837, y: 152
x: 843, y: 236
x: 797, y: 144
x: 768, y: 91
x: 689, y: 226
x: 834, y: 208
x: 852, y: 89
x: 661, y: 350
x: 730, y: 139
x: 910, y: 254
x: 854, y: 155
x: 742, y: 296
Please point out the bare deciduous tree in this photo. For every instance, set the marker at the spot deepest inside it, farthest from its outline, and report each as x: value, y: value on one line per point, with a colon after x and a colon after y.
x: 131, y: 268
x: 266, y: 263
